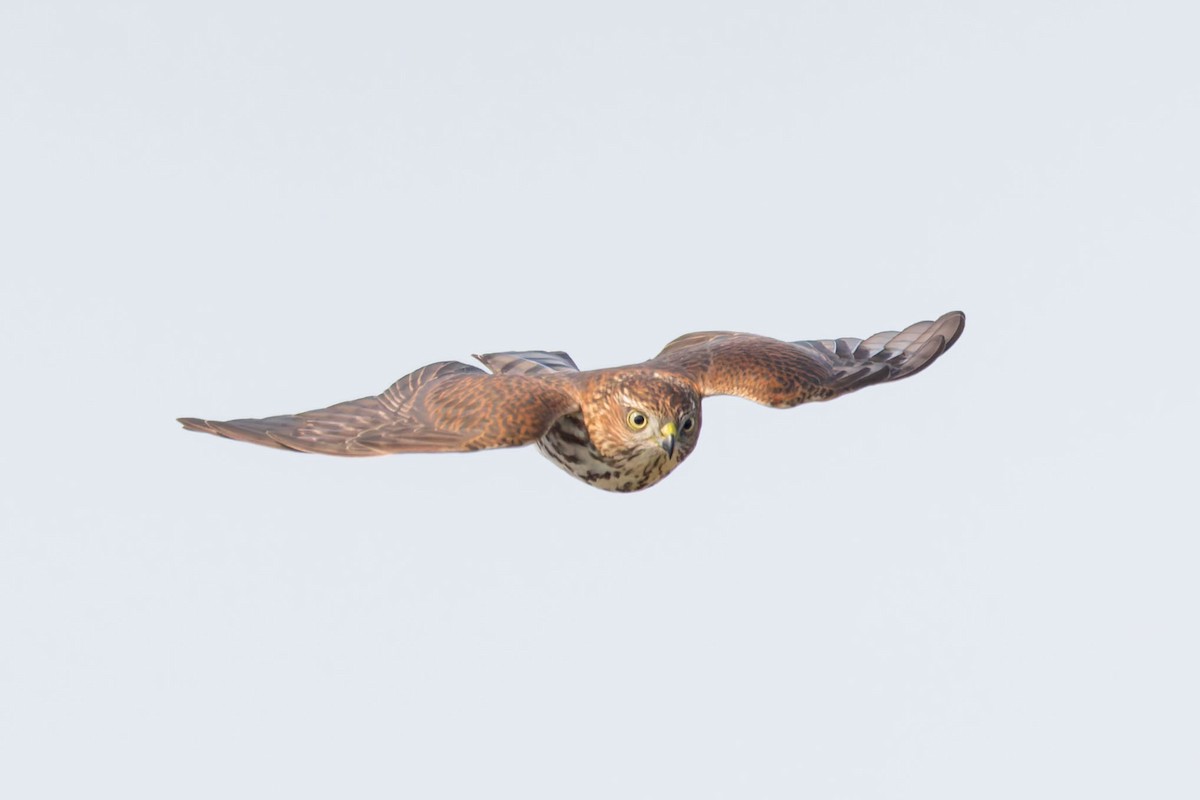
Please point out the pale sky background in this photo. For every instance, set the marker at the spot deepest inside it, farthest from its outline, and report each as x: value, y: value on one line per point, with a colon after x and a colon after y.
x: 978, y: 583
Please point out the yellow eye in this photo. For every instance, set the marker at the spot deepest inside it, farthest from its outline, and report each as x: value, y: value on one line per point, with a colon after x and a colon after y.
x: 637, y: 420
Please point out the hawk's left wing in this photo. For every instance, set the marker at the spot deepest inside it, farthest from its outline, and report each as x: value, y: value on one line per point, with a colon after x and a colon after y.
x: 784, y: 374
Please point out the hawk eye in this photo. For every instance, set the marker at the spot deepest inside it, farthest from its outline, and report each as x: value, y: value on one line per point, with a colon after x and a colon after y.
x: 637, y: 420
x: 688, y: 423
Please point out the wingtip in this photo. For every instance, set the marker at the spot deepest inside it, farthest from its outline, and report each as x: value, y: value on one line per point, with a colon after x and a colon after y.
x: 961, y: 324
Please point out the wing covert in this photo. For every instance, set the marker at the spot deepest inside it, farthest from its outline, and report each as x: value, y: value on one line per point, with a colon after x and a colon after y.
x: 528, y: 362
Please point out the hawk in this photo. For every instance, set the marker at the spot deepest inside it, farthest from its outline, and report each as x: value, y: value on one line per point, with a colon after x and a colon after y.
x: 620, y: 429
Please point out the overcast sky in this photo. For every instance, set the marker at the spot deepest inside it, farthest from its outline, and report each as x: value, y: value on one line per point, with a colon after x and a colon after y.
x: 978, y: 583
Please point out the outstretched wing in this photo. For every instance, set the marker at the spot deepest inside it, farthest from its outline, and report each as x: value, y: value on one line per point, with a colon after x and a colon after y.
x: 447, y: 406
x: 784, y: 374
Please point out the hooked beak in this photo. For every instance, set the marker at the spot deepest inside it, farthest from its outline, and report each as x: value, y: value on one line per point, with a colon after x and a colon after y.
x: 668, y: 441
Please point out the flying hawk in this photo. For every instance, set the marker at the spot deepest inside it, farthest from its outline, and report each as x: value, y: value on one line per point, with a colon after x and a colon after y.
x: 620, y: 428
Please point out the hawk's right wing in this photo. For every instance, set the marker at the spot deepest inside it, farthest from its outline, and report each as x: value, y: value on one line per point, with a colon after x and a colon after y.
x: 447, y: 406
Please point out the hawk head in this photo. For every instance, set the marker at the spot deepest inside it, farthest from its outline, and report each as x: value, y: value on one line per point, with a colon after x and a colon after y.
x: 644, y: 418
